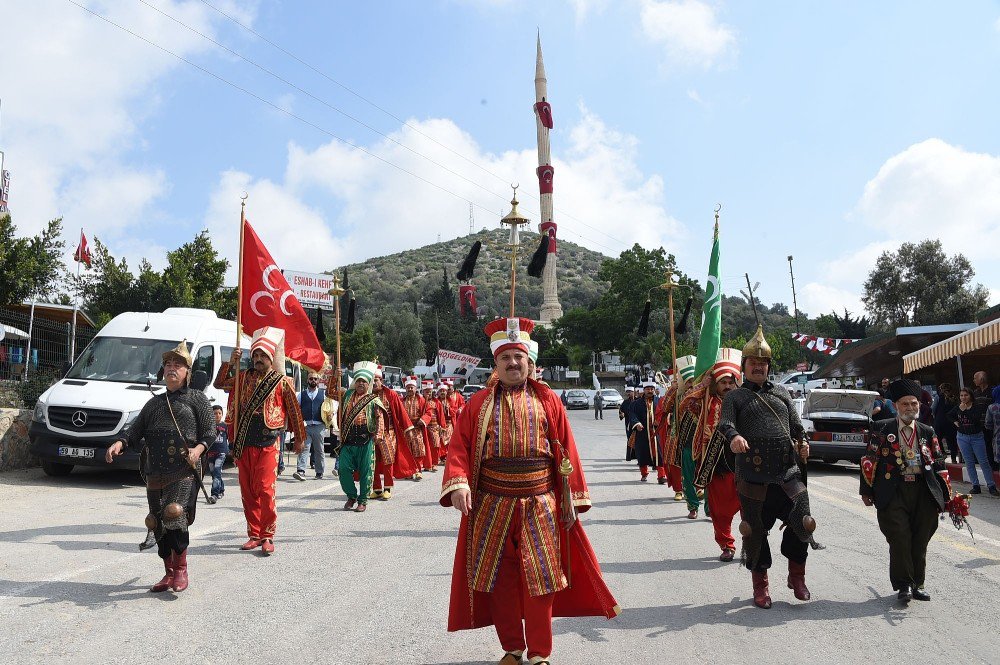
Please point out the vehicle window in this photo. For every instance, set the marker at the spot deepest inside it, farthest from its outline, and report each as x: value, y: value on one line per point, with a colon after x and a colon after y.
x: 204, y: 361
x: 227, y: 352
x: 610, y: 393
x: 121, y: 359
x: 576, y: 393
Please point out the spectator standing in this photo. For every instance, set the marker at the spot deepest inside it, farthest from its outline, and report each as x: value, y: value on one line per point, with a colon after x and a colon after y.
x: 943, y: 425
x: 598, y: 405
x: 311, y: 401
x: 217, y: 454
x: 993, y: 421
x: 982, y: 395
x: 564, y: 399
x: 968, y: 418
x: 884, y: 408
x: 883, y: 388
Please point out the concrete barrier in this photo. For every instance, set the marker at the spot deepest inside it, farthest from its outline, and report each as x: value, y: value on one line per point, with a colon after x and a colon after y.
x: 15, y: 448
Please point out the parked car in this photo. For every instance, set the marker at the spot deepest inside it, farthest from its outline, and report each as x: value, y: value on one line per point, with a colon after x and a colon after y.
x: 576, y: 399
x: 793, y: 381
x: 838, y: 423
x: 612, y: 398
x: 469, y: 389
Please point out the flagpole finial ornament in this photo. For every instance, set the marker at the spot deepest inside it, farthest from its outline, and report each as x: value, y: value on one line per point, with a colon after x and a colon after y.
x: 336, y: 291
x: 757, y: 347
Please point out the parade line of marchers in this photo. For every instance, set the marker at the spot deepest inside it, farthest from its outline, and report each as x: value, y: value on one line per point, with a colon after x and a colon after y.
x: 726, y: 439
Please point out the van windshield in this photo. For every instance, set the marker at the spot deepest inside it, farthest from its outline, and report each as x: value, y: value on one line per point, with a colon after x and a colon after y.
x: 121, y: 359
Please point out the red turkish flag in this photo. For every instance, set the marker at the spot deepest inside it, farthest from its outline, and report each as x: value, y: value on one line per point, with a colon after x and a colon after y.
x: 269, y: 301
x: 82, y: 254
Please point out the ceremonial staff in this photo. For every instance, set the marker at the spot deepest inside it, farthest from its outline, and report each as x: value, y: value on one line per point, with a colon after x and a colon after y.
x: 515, y: 220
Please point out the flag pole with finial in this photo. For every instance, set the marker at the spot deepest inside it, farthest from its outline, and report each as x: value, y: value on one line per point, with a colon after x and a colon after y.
x: 239, y: 318
x: 337, y: 291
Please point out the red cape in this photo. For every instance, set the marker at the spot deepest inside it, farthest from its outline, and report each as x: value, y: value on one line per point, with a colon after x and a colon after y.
x: 404, y: 466
x: 587, y: 594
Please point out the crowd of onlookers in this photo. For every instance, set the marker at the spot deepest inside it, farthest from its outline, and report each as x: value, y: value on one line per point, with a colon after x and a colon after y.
x: 967, y: 423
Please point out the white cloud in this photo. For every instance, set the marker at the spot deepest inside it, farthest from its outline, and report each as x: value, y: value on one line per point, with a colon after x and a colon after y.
x: 378, y: 210
x: 696, y: 98
x: 583, y: 8
x: 689, y: 32
x: 930, y: 190
x: 76, y: 92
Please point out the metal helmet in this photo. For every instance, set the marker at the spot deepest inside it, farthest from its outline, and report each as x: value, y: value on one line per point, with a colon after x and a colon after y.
x: 757, y: 347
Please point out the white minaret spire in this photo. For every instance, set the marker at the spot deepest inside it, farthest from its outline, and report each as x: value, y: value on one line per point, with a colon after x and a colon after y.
x: 551, y: 309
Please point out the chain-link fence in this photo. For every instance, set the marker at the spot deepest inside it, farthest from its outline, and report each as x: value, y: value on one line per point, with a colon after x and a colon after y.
x: 29, y: 366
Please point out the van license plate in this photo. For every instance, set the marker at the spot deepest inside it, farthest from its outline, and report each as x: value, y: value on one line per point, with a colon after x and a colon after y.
x: 66, y: 451
x: 849, y: 438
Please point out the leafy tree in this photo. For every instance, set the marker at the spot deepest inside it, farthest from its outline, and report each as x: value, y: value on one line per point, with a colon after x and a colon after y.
x: 921, y: 285
x: 195, y: 274
x: 358, y: 345
x: 30, y: 266
x: 851, y: 328
x: 397, y: 337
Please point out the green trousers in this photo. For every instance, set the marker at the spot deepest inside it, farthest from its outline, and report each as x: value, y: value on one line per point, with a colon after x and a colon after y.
x: 362, y: 460
x: 908, y: 523
x: 687, y: 475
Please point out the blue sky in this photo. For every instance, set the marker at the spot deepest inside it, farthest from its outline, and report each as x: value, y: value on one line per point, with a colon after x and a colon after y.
x: 828, y: 131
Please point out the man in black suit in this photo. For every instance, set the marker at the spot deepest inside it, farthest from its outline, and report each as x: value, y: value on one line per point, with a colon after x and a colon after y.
x: 903, y: 475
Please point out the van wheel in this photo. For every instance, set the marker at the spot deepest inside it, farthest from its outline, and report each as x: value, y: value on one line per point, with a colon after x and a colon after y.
x: 56, y: 469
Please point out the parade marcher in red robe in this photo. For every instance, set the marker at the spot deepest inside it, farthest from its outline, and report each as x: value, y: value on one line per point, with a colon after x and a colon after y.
x: 393, y: 458
x: 714, y: 462
x: 448, y: 425
x: 268, y: 406
x: 413, y: 404
x: 455, y: 400
x: 514, y: 473
x: 665, y: 432
x: 431, y: 421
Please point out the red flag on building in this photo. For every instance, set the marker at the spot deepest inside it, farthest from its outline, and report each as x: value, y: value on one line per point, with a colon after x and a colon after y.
x: 269, y: 301
x: 82, y: 254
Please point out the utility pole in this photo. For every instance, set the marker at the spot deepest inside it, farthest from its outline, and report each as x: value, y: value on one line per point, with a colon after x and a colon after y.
x: 472, y: 221
x: 795, y: 303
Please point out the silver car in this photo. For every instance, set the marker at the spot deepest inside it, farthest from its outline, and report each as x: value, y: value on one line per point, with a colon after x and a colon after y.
x: 612, y: 399
x: 576, y: 399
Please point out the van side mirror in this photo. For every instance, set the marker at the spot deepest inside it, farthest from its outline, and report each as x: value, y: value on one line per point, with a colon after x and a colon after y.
x: 199, y: 380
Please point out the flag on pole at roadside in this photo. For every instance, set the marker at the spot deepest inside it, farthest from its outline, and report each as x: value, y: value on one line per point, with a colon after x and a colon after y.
x: 710, y: 337
x: 268, y: 300
x: 82, y: 254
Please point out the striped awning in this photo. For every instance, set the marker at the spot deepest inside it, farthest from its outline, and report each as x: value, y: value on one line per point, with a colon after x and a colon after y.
x: 961, y: 344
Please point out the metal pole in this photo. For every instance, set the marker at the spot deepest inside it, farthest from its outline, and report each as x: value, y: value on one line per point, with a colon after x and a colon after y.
x: 239, y: 321
x: 961, y: 377
x: 795, y: 303
x: 76, y: 299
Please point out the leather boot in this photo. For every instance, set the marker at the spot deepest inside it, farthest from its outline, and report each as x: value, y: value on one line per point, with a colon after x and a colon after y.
x: 180, y: 571
x: 797, y: 580
x: 761, y: 593
x: 168, y: 577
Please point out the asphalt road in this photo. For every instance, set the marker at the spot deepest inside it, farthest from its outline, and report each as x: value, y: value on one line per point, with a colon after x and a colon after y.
x: 373, y: 588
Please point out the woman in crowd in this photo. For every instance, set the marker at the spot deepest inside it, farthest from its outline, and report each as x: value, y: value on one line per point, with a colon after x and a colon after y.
x: 968, y: 418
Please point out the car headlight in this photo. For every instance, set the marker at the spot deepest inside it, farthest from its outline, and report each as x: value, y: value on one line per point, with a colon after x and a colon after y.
x: 129, y: 419
x: 39, y: 415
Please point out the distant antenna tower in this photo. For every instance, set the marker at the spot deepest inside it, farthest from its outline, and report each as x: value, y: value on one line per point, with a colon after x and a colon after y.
x: 472, y: 220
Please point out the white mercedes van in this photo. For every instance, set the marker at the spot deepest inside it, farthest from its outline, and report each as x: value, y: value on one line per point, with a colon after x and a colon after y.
x: 76, y: 419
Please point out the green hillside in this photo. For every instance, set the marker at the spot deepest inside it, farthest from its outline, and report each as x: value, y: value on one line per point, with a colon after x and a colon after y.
x: 404, y: 278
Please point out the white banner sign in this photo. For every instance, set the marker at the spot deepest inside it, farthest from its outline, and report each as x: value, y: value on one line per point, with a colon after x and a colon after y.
x: 453, y: 365
x: 312, y: 289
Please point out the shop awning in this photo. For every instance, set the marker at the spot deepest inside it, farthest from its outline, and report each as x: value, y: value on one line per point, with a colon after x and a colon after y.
x: 961, y: 344
x: 10, y: 332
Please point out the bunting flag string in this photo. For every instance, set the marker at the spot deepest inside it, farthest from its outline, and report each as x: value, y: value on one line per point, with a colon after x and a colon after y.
x: 828, y: 345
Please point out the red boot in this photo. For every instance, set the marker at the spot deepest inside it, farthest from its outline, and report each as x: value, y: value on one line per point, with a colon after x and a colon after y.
x: 168, y: 577
x: 761, y: 594
x: 180, y: 572
x: 797, y: 580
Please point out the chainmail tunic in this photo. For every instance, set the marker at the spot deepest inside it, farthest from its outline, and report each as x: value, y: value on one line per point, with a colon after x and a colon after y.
x: 750, y: 411
x: 167, y: 473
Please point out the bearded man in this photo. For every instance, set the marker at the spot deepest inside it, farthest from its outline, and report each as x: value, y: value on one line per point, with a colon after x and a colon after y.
x: 175, y: 428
